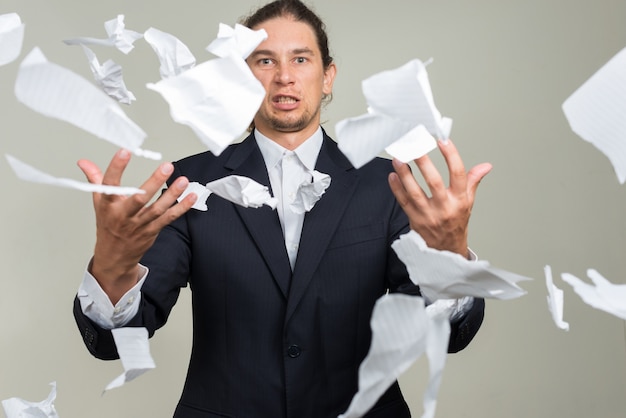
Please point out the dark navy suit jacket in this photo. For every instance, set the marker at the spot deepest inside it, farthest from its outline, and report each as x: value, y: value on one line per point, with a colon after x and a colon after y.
x: 268, y: 342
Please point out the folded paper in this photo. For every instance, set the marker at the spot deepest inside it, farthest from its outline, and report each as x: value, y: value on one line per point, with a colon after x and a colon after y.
x: 133, y: 348
x: 398, y: 102
x: 119, y: 37
x: 595, y: 112
x: 11, y: 37
x: 59, y: 93
x: 29, y: 173
x: 555, y: 300
x: 447, y: 275
x: 603, y: 295
x: 19, y: 408
x: 174, y: 56
x: 217, y: 99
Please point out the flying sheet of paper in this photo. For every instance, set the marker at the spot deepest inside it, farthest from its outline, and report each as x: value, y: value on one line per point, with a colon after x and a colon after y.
x: 174, y: 56
x: 447, y: 275
x: 11, y: 37
x: 109, y: 77
x: 555, y: 300
x: 29, y: 173
x: 133, y: 348
x: 19, y: 408
x: 239, y: 40
x: 59, y: 93
x: 606, y: 296
x: 216, y: 99
x: 310, y: 192
x: 399, y: 100
x: 401, y: 332
x: 119, y: 37
x: 240, y: 190
x: 595, y: 112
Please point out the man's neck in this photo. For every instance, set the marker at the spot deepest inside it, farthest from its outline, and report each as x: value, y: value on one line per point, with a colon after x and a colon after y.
x: 289, y: 140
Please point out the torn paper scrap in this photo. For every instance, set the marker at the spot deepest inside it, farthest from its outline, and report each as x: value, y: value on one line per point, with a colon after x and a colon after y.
x: 119, y: 37
x: 447, y: 275
x: 595, y: 112
x: 401, y: 332
x: 309, y: 192
x: 398, y: 101
x: 606, y: 296
x: 217, y: 99
x: 29, y: 173
x: 59, y: 93
x: 555, y: 300
x: 239, y: 40
x: 19, y: 408
x: 133, y: 348
x: 243, y: 191
x: 174, y: 56
x: 201, y: 191
x: 109, y: 77
x: 11, y: 37
x: 416, y: 143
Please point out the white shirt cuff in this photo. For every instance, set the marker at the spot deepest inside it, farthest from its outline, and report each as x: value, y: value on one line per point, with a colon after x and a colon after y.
x: 97, y: 306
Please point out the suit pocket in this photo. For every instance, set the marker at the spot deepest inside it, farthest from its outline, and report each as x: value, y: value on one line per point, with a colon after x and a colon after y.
x: 351, y: 235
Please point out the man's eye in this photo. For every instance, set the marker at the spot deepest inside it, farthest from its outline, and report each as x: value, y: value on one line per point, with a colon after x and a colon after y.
x: 265, y: 61
x: 301, y: 60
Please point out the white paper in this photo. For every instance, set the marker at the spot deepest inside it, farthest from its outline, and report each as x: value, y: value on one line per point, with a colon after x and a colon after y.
x: 606, y: 296
x: 399, y: 100
x: 57, y: 92
x: 201, y: 192
x: 595, y: 112
x: 29, y: 173
x: 447, y: 275
x: 119, y: 37
x: 310, y: 192
x: 417, y: 142
x: 363, y: 137
x: 240, y: 190
x: 19, y: 408
x: 109, y: 77
x: 174, y: 56
x: 133, y: 348
x: 217, y: 99
x: 11, y: 37
x: 240, y: 41
x: 555, y: 300
x: 401, y: 332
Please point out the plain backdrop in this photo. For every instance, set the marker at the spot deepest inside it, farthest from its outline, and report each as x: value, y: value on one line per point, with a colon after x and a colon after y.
x: 501, y: 71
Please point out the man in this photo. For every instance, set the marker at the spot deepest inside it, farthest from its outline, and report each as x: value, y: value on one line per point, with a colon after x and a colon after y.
x: 281, y: 300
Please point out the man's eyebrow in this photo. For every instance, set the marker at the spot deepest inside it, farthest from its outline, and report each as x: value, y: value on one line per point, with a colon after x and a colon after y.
x: 296, y: 51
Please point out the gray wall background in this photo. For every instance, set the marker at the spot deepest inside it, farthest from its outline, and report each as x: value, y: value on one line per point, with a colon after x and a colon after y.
x: 502, y: 70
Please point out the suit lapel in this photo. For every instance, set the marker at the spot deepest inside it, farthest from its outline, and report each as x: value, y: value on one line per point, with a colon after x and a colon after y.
x: 322, y: 221
x: 262, y: 223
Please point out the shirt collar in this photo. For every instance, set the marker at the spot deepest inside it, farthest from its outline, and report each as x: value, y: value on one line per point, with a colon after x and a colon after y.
x: 307, y: 152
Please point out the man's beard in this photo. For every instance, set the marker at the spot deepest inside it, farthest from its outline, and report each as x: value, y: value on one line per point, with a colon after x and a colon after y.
x: 289, y: 125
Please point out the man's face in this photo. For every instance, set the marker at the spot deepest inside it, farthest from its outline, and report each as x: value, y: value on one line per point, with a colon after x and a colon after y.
x: 289, y: 65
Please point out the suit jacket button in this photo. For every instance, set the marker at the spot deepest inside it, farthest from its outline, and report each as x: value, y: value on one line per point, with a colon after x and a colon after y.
x: 293, y: 351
